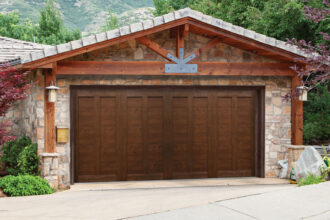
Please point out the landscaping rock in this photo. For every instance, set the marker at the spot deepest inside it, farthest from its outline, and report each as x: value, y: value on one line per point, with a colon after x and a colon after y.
x: 310, y: 161
x: 2, y: 194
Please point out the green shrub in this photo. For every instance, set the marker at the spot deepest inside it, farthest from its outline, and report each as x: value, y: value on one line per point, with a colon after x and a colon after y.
x: 20, y: 157
x: 28, y: 161
x: 25, y: 185
x: 311, y: 179
x: 317, y: 116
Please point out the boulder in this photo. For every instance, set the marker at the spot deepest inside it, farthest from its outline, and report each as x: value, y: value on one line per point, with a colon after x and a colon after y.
x: 310, y: 161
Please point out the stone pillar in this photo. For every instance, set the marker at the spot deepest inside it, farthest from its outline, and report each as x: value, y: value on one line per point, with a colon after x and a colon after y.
x: 49, y: 168
x: 293, y: 154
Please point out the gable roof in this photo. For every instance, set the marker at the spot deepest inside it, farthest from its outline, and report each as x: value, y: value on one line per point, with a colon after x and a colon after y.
x: 15, y: 51
x: 98, y: 39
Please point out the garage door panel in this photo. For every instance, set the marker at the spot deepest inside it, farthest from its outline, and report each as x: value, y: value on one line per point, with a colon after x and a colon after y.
x: 200, y: 135
x: 153, y: 136
x: 86, y: 136
x: 125, y: 133
x: 109, y: 154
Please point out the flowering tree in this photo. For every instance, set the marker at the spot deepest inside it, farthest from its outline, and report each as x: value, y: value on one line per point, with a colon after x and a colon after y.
x: 14, y: 86
x: 317, y: 63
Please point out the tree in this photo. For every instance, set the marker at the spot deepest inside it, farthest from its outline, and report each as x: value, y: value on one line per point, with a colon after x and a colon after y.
x: 11, y: 26
x: 111, y: 22
x: 14, y: 86
x: 316, y: 70
x: 317, y: 117
x: 315, y: 75
x: 51, y: 29
x: 161, y: 7
x: 280, y: 19
x: 275, y: 18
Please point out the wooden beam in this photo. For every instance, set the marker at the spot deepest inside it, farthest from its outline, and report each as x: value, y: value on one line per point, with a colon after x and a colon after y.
x: 153, y: 46
x: 179, y: 40
x: 296, y: 114
x: 207, y: 46
x: 158, y: 68
x: 49, y: 112
x: 275, y: 53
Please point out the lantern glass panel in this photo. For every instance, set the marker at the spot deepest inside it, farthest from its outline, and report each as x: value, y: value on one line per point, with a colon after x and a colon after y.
x: 52, y: 95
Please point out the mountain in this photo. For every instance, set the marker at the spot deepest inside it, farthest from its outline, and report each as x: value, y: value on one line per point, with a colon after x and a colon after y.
x: 87, y: 15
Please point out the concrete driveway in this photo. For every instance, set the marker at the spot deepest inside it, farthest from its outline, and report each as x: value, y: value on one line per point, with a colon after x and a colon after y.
x: 307, y: 202
x: 134, y: 199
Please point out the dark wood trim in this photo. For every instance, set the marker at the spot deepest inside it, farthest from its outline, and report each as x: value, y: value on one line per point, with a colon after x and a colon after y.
x: 72, y: 134
x: 158, y: 68
x: 49, y: 112
x: 296, y: 114
x: 260, y: 131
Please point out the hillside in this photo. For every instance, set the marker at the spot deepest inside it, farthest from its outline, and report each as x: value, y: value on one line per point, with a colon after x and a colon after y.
x: 87, y: 15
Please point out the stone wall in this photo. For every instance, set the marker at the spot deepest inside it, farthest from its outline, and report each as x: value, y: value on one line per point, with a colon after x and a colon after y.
x: 50, y: 168
x: 26, y: 116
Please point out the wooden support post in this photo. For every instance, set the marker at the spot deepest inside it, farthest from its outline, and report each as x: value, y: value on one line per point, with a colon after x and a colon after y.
x: 185, y: 30
x: 179, y: 40
x: 296, y: 114
x: 49, y: 112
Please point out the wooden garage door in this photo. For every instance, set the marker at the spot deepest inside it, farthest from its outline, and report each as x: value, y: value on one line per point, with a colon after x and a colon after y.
x: 125, y: 133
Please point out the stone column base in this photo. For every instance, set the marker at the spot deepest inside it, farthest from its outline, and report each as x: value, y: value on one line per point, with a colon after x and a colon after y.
x: 49, y: 168
x: 293, y: 154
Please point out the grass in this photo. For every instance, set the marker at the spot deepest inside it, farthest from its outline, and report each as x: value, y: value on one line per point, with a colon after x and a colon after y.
x: 311, y: 179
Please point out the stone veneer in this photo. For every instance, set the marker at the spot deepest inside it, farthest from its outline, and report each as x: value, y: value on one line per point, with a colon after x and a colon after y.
x: 50, y: 168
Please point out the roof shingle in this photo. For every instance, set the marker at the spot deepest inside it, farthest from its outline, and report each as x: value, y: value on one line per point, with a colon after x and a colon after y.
x: 12, y: 49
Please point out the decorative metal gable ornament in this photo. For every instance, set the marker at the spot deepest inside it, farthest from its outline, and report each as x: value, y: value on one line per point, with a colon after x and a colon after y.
x: 181, y: 65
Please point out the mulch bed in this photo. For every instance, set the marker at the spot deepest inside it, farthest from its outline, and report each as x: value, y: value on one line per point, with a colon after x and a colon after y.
x: 2, y: 174
x: 2, y: 194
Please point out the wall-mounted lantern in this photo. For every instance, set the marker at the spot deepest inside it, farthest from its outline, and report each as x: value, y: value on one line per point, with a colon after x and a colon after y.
x: 52, y: 89
x: 303, y: 91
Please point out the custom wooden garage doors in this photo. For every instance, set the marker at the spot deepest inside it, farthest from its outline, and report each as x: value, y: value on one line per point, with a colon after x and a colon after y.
x: 138, y: 133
